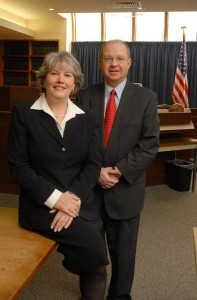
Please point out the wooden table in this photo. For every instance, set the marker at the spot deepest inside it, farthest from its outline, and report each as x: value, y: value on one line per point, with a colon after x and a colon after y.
x: 22, y: 253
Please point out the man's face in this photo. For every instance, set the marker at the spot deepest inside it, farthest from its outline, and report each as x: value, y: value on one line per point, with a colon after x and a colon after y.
x: 114, y: 63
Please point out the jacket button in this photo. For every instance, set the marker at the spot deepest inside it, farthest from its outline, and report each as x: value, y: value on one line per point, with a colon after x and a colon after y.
x: 63, y: 149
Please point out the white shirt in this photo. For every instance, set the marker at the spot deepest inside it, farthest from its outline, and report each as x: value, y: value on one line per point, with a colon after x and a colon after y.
x: 72, y: 111
x: 119, y: 88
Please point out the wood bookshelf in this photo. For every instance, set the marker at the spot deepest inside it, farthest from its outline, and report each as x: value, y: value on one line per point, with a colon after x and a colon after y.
x: 20, y: 58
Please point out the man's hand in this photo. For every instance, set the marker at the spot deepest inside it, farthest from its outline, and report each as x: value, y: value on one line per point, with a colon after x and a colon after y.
x: 109, y: 177
x: 68, y: 203
x: 118, y: 173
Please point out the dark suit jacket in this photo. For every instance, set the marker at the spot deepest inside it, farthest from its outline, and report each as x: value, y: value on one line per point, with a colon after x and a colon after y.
x: 41, y: 160
x: 132, y: 146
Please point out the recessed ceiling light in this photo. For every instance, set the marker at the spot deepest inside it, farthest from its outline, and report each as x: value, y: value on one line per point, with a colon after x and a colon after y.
x: 51, y: 8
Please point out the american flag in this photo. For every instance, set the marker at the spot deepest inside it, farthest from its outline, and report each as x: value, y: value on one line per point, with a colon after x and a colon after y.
x: 180, y: 87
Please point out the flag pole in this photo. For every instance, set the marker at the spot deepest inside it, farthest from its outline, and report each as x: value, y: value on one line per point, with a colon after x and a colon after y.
x: 183, y: 28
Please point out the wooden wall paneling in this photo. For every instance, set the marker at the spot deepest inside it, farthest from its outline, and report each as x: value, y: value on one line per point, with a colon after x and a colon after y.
x: 7, y: 185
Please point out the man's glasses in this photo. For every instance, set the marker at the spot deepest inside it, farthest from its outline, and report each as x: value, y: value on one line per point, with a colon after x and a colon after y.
x: 110, y: 60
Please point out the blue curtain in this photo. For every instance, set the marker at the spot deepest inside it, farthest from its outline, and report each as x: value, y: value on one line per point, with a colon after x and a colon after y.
x: 153, y: 64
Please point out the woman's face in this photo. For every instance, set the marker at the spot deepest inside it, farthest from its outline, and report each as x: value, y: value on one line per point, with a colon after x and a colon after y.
x: 59, y: 83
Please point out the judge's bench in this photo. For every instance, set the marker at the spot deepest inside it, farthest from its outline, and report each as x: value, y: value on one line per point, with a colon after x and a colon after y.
x: 178, y: 141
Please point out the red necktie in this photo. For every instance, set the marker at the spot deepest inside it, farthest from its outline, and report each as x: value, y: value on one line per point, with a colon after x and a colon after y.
x: 109, y: 116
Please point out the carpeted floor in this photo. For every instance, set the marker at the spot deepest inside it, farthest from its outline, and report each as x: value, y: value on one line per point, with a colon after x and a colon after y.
x: 165, y: 265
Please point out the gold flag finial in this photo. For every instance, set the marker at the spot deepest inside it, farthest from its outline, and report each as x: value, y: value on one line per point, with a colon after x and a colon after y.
x: 183, y: 29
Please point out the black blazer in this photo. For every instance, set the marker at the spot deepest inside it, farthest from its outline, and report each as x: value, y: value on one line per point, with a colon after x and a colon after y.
x: 132, y: 146
x: 41, y: 160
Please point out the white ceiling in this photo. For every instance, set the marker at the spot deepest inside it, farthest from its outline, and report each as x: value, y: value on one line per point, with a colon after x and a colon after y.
x: 33, y: 9
x: 36, y: 9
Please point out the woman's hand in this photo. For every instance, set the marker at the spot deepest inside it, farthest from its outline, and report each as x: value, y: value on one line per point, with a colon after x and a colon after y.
x: 68, y: 203
x: 60, y: 221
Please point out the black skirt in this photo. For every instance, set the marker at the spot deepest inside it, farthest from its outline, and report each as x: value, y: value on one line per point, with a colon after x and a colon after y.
x: 82, y: 244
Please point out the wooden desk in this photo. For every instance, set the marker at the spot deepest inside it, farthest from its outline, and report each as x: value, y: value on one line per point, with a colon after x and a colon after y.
x: 181, y: 144
x: 177, y: 144
x: 22, y: 253
x: 195, y: 243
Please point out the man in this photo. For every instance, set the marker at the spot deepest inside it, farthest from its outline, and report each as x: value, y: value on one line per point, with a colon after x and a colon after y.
x: 131, y: 148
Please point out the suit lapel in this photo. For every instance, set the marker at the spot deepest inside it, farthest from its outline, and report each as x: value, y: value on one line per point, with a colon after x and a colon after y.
x: 49, y: 124
x: 71, y: 128
x: 97, y: 104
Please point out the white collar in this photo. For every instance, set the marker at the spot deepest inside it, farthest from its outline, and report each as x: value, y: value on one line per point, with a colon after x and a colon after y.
x: 119, y: 88
x: 72, y: 109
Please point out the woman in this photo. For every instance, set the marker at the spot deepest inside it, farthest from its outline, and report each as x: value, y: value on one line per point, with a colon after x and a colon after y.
x: 53, y: 154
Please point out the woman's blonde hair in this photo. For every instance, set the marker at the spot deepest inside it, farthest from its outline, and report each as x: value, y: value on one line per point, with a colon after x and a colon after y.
x: 68, y: 61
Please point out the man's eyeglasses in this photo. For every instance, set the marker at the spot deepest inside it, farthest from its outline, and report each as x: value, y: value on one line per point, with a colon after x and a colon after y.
x: 119, y: 60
